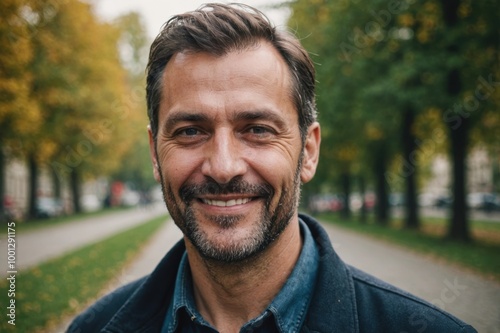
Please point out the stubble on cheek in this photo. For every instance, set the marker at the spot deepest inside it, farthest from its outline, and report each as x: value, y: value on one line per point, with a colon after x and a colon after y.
x: 222, y: 246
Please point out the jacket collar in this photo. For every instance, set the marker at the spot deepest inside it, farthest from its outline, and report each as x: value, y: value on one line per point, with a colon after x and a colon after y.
x: 332, y: 307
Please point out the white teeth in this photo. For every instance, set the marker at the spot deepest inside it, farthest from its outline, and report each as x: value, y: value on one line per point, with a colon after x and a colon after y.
x: 228, y: 203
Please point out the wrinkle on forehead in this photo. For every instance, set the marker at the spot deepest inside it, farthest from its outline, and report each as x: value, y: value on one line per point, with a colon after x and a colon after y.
x: 201, y: 83
x: 203, y: 65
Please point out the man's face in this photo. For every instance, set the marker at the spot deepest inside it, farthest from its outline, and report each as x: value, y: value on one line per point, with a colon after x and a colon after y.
x: 228, y: 152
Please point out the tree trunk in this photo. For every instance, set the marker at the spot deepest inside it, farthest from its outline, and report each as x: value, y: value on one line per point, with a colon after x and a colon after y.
x: 75, y: 190
x: 459, y: 227
x: 382, y: 207
x: 33, y: 187
x: 450, y: 11
x: 410, y: 155
x: 362, y: 191
x: 496, y: 173
x: 345, y: 180
x: 56, y: 183
x: 3, y: 209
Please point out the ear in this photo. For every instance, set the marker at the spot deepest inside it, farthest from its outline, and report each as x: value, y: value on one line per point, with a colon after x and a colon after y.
x: 311, y: 153
x: 153, y: 155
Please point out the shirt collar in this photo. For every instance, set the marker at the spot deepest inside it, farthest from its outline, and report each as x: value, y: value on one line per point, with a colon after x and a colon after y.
x: 289, y: 307
x: 183, y: 299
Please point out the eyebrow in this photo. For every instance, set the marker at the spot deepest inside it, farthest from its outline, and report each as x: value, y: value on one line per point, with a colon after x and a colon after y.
x: 184, y: 117
x: 260, y: 115
x: 251, y: 115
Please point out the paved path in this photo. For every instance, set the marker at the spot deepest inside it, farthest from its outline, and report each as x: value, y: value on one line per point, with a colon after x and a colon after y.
x: 151, y: 254
x: 466, y: 295
x: 36, y: 246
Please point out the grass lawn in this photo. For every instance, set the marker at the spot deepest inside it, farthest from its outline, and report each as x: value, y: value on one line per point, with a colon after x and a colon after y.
x: 63, y: 286
x: 482, y: 255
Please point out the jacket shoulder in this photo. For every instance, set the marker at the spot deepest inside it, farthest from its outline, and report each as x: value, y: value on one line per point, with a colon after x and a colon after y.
x: 94, y: 318
x: 385, y: 308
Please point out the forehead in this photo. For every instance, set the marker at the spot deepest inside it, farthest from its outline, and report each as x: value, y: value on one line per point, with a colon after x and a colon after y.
x: 257, y: 74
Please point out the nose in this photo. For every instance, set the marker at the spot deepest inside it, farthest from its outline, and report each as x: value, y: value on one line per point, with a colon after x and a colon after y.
x: 223, y: 158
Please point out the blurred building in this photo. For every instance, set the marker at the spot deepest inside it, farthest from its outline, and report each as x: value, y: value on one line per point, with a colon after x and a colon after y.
x: 17, y: 187
x: 481, y: 169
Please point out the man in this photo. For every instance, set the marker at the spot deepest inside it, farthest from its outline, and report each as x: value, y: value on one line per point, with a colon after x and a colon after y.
x: 233, y: 133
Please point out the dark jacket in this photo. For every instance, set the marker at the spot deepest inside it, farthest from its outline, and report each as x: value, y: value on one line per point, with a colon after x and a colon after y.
x: 345, y: 300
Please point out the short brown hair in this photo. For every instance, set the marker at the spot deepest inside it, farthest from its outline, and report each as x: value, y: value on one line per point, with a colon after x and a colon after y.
x: 219, y: 29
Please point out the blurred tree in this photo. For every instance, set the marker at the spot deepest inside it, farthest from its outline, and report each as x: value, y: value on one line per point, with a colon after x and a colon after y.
x: 134, y: 45
x: 19, y: 116
x: 458, y: 81
x: 385, y: 67
x: 80, y: 86
x: 470, y: 88
x: 357, y: 120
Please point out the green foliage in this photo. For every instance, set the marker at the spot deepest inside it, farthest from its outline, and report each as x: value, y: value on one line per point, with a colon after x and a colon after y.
x: 61, y: 287
x: 134, y: 43
x: 374, y: 58
x: 355, y: 112
x: 136, y: 166
x: 378, y: 60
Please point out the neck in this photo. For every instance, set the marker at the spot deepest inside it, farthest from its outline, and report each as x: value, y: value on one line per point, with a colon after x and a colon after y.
x: 229, y: 295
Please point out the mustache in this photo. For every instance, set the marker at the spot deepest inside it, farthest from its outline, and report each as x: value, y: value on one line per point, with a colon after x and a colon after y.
x: 189, y: 192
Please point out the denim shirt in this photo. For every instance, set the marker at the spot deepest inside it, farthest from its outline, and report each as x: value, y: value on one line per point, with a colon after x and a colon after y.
x: 285, y: 314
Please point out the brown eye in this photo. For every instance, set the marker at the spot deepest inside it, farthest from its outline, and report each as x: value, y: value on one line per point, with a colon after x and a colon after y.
x: 259, y: 130
x: 190, y: 131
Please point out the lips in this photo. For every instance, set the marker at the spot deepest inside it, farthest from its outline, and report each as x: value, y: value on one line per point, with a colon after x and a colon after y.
x: 236, y: 192
x: 228, y: 203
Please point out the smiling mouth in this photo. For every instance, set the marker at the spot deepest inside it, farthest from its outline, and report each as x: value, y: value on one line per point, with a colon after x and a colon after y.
x: 228, y: 203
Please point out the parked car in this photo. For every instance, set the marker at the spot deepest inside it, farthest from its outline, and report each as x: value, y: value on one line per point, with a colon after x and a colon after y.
x: 443, y: 201
x: 356, y: 201
x: 397, y: 199
x: 9, y: 209
x: 326, y: 203
x: 483, y: 201
x: 90, y: 203
x: 130, y: 198
x: 49, y: 207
